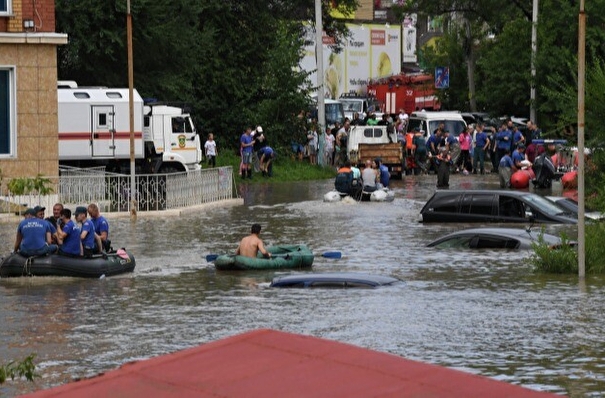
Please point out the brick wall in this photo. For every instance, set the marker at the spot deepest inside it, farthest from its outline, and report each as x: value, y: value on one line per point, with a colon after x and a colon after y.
x: 42, y: 12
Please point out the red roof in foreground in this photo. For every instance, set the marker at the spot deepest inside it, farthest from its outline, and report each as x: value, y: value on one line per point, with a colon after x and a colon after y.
x: 265, y: 363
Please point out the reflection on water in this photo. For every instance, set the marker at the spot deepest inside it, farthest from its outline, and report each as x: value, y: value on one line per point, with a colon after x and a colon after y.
x: 482, y: 312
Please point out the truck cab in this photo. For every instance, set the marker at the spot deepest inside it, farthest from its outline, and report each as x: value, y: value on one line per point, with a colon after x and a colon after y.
x: 352, y: 103
x: 173, y: 134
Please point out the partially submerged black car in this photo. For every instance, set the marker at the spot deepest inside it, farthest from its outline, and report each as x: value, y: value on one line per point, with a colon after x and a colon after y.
x: 498, y: 206
x: 495, y: 238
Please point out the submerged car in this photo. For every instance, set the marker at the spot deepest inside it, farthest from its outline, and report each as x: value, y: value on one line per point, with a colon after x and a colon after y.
x: 498, y: 206
x: 333, y: 280
x: 572, y: 206
x: 494, y: 238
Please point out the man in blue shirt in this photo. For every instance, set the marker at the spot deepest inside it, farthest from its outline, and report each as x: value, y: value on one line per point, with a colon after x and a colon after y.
x: 384, y: 173
x: 101, y: 227
x: 519, y: 157
x: 504, y: 140
x: 246, y: 144
x: 33, y: 236
x: 518, y: 137
x: 266, y: 158
x: 70, y: 233
x: 505, y: 169
x: 89, y: 238
x: 482, y: 143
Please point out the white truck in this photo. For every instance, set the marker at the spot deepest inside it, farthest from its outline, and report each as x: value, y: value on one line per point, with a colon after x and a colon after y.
x: 371, y: 142
x: 352, y: 103
x: 94, y: 130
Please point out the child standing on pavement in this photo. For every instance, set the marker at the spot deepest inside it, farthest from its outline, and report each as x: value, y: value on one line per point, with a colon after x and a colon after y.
x: 211, y: 152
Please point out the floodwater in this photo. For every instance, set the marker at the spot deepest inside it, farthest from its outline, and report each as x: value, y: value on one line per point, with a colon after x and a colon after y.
x: 482, y: 312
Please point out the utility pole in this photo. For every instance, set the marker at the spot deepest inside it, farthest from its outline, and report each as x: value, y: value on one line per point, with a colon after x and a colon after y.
x: 534, y: 50
x: 132, y: 200
x: 319, y: 55
x: 581, y: 109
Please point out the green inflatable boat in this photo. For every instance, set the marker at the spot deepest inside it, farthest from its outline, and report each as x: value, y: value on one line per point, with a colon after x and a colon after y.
x: 284, y: 256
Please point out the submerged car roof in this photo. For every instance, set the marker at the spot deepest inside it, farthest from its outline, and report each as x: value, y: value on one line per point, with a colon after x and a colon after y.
x: 492, y: 191
x: 525, y: 235
x: 332, y: 279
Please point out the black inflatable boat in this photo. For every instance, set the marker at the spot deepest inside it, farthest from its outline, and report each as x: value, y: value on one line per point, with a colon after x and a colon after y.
x: 60, y: 265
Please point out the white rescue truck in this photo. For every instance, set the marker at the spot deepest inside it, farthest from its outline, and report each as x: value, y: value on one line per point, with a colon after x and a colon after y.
x: 94, y: 130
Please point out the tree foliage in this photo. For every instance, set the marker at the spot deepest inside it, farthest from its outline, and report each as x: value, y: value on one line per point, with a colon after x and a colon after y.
x: 234, y: 61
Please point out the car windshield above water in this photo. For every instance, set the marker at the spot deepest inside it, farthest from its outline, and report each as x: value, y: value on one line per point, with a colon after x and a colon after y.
x: 545, y: 205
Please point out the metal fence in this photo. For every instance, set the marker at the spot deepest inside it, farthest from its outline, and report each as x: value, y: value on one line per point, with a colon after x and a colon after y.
x: 113, y: 192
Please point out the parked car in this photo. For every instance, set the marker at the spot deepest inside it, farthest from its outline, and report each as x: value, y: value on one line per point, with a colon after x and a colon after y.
x: 333, y: 280
x: 572, y: 206
x: 493, y: 206
x: 494, y: 238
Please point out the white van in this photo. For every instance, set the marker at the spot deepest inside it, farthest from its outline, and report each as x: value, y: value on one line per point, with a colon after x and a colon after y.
x: 429, y: 121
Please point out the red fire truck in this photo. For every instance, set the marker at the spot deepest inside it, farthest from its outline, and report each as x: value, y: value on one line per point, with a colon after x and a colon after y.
x: 410, y: 91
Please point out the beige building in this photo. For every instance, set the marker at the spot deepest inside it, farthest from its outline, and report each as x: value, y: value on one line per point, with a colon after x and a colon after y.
x: 28, y: 88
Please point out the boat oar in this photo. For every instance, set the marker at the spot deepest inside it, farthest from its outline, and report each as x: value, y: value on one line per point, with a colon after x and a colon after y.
x: 211, y: 257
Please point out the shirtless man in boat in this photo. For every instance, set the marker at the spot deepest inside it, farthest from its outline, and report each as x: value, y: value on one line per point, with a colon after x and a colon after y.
x: 252, y: 244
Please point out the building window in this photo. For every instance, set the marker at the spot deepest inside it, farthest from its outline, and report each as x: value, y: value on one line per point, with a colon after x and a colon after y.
x: 7, y: 112
x: 5, y: 7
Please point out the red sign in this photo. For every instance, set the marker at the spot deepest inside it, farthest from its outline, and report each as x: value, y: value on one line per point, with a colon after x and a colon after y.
x: 327, y: 39
x: 378, y: 37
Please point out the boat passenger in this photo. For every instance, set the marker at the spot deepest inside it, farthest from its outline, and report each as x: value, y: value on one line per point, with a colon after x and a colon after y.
x: 89, y: 238
x: 252, y: 244
x: 344, y: 178
x: 53, y: 227
x: 70, y: 233
x: 101, y: 227
x: 369, y: 177
x: 33, y: 236
x: 54, y: 219
x: 383, y: 173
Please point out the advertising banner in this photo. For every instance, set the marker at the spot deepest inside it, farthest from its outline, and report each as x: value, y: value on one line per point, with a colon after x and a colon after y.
x: 372, y: 51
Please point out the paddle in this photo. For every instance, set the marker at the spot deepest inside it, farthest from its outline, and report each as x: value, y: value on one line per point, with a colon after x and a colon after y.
x: 211, y: 257
x: 332, y: 254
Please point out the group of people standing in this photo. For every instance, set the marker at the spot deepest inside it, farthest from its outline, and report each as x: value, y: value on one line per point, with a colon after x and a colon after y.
x: 506, y: 148
x: 82, y: 236
x: 254, y: 149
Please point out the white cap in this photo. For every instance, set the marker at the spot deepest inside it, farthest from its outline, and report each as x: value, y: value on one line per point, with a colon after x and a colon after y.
x: 259, y: 129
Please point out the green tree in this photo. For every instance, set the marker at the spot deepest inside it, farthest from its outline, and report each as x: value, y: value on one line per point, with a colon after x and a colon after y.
x: 234, y: 61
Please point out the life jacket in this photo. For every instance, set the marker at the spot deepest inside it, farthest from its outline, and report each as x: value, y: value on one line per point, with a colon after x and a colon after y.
x: 409, y: 138
x: 343, y: 181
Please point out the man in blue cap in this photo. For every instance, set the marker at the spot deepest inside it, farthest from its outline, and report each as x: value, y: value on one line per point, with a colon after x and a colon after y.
x: 33, y: 236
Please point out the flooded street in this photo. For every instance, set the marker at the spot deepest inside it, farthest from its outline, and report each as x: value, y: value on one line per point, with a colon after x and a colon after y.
x: 483, y: 312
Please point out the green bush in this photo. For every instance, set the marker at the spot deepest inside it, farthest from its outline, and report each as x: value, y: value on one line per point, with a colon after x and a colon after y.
x: 561, y: 260
x: 285, y: 168
x: 26, y: 368
x: 564, y: 260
